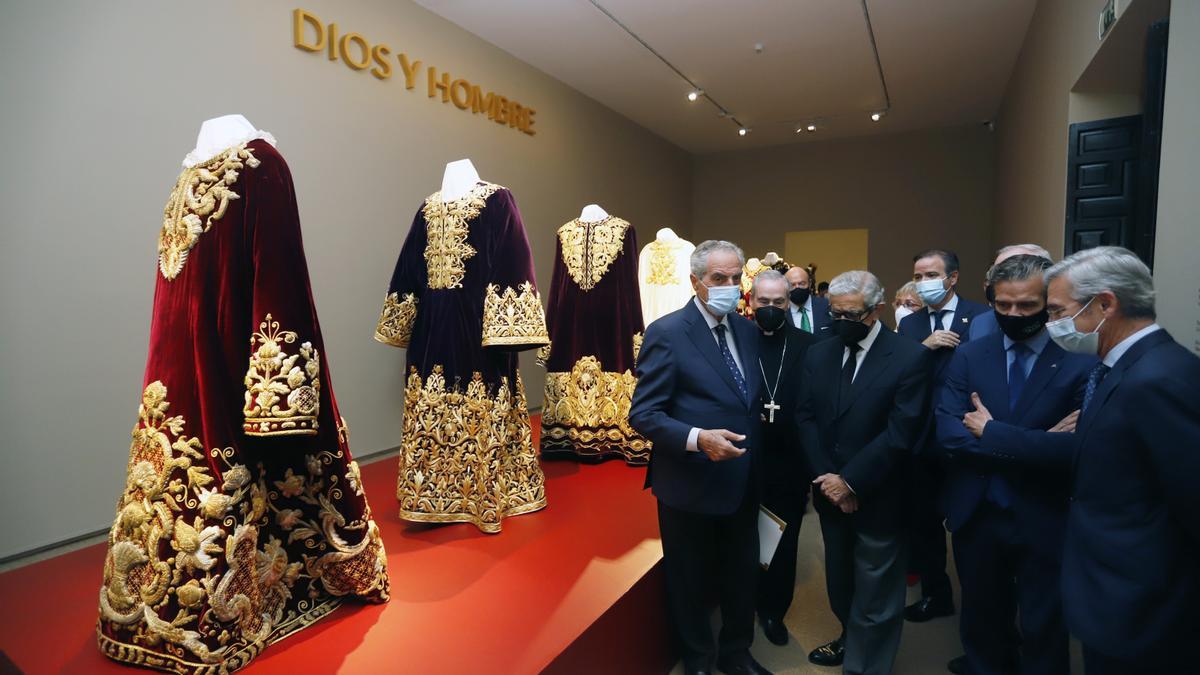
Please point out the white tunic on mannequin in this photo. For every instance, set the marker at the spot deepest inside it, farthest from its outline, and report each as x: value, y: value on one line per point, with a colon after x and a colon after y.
x: 663, y: 270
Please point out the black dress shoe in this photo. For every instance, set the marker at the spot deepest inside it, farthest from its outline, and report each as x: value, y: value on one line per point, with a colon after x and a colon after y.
x: 775, y: 631
x: 830, y: 654
x: 746, y: 666
x: 958, y: 665
x: 928, y: 608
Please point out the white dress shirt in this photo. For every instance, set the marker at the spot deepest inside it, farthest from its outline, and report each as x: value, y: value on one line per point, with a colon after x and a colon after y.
x: 948, y: 320
x: 795, y: 311
x: 694, y: 434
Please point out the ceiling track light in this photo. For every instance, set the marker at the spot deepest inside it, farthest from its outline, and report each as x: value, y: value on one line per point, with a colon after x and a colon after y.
x: 742, y: 131
x: 878, y: 115
x: 695, y: 94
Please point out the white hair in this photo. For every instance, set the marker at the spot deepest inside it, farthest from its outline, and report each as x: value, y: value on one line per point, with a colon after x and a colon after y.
x: 1108, y: 268
x: 858, y: 281
x: 699, y: 260
x: 1029, y: 249
x: 766, y: 276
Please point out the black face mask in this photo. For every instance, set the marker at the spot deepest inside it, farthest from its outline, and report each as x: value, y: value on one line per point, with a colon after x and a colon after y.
x: 798, y: 296
x: 769, y: 318
x: 1019, y: 328
x: 989, y: 292
x: 850, y: 332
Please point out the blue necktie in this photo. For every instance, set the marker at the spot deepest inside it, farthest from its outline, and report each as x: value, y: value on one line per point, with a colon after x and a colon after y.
x: 728, y: 356
x: 941, y: 316
x: 1016, y: 374
x: 1094, y: 379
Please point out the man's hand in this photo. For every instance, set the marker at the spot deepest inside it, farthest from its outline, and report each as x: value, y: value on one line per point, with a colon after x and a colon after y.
x: 849, y: 504
x: 833, y: 487
x: 1066, y: 424
x: 977, y: 419
x: 940, y: 339
x: 718, y: 444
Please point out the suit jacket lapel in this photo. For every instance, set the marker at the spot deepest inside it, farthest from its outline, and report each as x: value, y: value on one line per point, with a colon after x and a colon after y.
x: 996, y: 398
x: 923, y: 330
x: 874, y: 363
x: 1088, y: 417
x: 706, y: 343
x: 1045, y: 368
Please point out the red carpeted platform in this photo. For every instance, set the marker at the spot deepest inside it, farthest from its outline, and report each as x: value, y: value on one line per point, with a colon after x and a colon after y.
x: 575, y: 588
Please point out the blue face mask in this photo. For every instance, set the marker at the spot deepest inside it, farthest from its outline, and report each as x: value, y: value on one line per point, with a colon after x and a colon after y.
x: 932, y: 291
x: 722, y: 299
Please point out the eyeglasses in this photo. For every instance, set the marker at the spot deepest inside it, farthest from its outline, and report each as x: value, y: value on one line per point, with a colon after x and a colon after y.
x: 848, y: 316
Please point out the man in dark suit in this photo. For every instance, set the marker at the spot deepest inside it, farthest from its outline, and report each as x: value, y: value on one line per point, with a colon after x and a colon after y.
x: 1009, y: 393
x: 806, y: 310
x: 1131, y: 558
x: 864, y: 402
x: 940, y: 326
x: 697, y: 400
x: 786, y: 479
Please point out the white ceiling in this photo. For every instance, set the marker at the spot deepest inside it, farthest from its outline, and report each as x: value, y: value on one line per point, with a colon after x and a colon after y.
x: 946, y: 61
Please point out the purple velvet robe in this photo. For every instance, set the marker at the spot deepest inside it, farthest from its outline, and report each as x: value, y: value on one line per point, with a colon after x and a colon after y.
x: 595, y: 318
x: 463, y: 300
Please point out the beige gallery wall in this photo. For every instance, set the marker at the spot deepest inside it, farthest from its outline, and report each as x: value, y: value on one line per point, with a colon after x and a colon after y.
x: 911, y: 191
x: 102, y: 104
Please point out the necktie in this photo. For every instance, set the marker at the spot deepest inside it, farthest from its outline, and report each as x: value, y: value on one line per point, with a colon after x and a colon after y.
x: 728, y: 356
x: 847, y: 379
x: 1016, y: 374
x: 941, y: 318
x: 1094, y: 379
x: 804, y: 324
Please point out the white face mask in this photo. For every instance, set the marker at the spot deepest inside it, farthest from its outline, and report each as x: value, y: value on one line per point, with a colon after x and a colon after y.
x: 902, y: 312
x: 1065, y: 335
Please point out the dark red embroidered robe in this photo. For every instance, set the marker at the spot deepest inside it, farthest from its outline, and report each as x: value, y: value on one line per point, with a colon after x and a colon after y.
x: 243, y: 517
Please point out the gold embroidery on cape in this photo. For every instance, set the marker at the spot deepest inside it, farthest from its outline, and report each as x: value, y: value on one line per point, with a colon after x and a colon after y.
x: 201, y: 192
x: 514, y: 318
x: 396, y: 320
x: 196, y: 579
x: 447, y: 225
x: 637, y: 346
x: 274, y: 376
x: 661, y: 264
x: 586, y: 411
x: 589, y: 249
x: 467, y: 455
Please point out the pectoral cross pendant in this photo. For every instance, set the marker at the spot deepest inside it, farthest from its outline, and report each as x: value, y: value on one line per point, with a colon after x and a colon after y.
x: 771, y: 407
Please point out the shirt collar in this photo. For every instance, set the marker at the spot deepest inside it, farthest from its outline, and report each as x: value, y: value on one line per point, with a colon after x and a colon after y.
x: 866, y: 342
x: 951, y: 305
x: 1036, y: 343
x: 1115, y: 354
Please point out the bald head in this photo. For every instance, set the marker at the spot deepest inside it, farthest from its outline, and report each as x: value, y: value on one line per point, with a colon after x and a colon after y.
x: 1021, y: 249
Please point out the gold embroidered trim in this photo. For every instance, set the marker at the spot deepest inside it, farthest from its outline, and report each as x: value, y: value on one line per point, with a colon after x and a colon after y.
x: 662, y: 264
x: 447, y: 226
x: 543, y: 354
x: 589, y: 249
x: 195, y: 578
x: 201, y: 192
x: 586, y: 411
x: 467, y: 455
x: 396, y: 320
x: 275, y: 376
x: 637, y: 346
x: 514, y: 318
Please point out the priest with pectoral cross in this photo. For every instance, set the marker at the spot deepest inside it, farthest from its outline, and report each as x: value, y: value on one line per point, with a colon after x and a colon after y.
x: 785, y: 491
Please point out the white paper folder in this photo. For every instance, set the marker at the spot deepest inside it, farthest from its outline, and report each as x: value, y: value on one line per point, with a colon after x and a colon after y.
x: 770, y: 532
